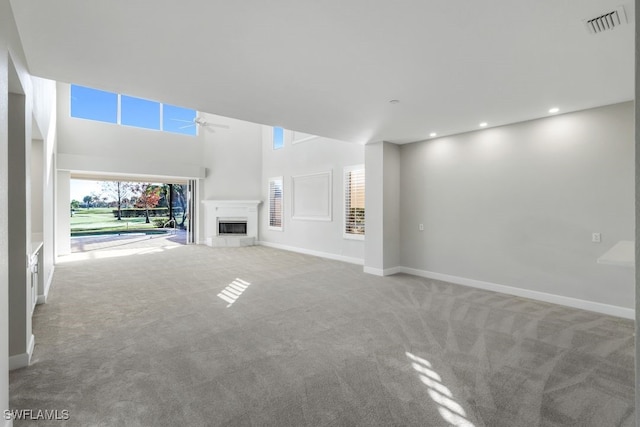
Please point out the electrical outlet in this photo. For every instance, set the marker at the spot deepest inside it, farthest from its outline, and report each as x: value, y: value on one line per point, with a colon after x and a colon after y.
x: 596, y: 237
x: 421, y: 227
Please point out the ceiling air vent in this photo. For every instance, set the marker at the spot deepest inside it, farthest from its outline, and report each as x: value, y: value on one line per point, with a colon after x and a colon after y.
x: 606, y: 22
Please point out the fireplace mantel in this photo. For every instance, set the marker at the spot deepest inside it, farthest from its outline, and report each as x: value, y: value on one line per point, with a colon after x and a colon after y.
x: 231, y: 209
x: 232, y: 203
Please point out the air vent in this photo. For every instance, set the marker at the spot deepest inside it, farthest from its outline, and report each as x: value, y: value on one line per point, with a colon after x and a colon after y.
x: 606, y: 22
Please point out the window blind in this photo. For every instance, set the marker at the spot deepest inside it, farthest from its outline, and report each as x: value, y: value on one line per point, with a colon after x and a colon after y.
x: 275, y: 203
x: 354, y: 200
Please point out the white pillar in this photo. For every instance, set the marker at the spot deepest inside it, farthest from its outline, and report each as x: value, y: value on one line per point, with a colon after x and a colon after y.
x: 4, y: 225
x: 637, y: 170
x: 49, y: 219
x: 382, y: 228
x: 19, y: 213
x: 63, y: 215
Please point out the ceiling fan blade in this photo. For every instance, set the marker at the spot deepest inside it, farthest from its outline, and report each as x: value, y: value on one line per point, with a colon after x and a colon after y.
x: 181, y: 120
x: 217, y: 126
x: 187, y: 126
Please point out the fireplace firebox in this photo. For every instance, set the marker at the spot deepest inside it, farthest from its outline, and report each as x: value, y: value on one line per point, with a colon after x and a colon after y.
x: 232, y: 228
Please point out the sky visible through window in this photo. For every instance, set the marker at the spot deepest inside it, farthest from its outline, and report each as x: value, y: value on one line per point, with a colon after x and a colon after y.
x: 139, y: 113
x: 98, y: 105
x: 278, y: 138
x: 178, y: 119
x: 93, y: 104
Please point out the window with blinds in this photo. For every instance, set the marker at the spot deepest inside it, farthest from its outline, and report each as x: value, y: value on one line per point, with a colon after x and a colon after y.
x: 354, y: 186
x: 275, y: 203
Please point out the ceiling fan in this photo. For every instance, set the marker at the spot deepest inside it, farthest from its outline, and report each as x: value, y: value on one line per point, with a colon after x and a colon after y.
x: 200, y: 122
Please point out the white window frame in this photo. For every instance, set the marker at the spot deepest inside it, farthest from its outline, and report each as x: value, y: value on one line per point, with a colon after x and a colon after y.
x: 270, y: 227
x: 119, y: 111
x: 347, y: 192
x: 119, y: 114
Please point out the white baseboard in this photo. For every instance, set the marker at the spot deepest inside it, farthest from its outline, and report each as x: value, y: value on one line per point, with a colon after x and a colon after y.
x: 380, y: 271
x: 374, y: 271
x: 391, y: 271
x: 350, y: 260
x: 42, y: 299
x: 22, y: 360
x: 612, y: 310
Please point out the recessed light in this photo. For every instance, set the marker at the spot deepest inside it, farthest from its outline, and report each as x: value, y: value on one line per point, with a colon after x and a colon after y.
x: 394, y: 101
x: 432, y: 134
x: 483, y: 124
x: 554, y: 110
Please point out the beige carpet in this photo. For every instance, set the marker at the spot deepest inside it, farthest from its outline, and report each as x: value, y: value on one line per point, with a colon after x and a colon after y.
x: 137, y: 335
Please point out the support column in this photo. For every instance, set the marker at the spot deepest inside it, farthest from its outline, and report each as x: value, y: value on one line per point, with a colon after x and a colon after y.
x: 170, y: 202
x: 4, y: 224
x: 21, y: 340
x: 382, y: 228
x: 63, y: 218
x: 49, y: 218
x: 637, y: 199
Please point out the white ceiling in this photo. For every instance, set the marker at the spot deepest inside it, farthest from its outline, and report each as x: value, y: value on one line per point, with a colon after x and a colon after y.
x: 331, y: 67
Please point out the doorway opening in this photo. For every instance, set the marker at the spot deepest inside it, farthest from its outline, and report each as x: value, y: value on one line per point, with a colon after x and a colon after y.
x: 111, y: 212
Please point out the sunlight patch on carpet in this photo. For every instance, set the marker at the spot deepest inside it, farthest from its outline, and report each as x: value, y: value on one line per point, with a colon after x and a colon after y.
x: 233, y: 291
x: 450, y: 410
x: 113, y: 253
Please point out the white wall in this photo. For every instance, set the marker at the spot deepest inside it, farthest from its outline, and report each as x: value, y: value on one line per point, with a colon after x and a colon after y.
x: 312, y: 156
x: 233, y: 161
x: 516, y: 205
x: 43, y: 205
x: 44, y: 114
x: 37, y: 181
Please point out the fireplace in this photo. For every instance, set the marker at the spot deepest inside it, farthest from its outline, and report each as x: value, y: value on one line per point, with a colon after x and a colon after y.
x: 232, y: 227
x: 231, y: 223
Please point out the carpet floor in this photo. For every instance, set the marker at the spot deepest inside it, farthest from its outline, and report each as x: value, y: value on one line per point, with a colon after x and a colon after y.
x: 153, y: 333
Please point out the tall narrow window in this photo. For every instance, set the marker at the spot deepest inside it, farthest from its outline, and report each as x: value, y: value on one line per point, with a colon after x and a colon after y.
x: 354, y: 186
x: 278, y: 138
x: 275, y: 203
x: 94, y: 104
x: 140, y: 113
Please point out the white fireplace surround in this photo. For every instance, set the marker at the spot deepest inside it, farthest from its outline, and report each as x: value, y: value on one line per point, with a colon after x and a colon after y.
x: 217, y: 210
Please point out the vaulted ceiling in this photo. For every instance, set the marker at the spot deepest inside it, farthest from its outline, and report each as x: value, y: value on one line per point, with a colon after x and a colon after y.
x: 331, y: 67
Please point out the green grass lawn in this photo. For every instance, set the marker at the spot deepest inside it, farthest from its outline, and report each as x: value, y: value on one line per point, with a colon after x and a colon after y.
x: 102, y: 219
